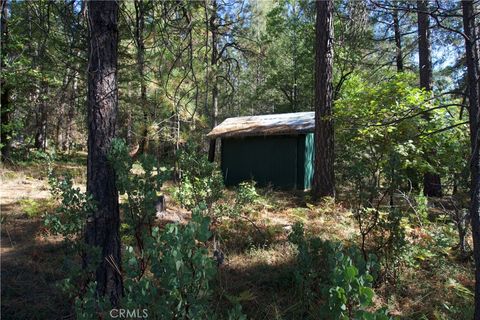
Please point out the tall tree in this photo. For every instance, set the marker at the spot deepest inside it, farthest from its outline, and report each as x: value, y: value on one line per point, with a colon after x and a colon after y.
x: 432, y: 186
x: 42, y: 118
x: 213, y: 26
x: 140, y: 44
x: 474, y: 108
x: 5, y: 94
x: 103, y: 225
x: 398, y: 40
x: 324, y: 178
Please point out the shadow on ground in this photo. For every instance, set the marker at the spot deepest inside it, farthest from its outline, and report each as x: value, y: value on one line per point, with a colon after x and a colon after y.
x: 31, y: 274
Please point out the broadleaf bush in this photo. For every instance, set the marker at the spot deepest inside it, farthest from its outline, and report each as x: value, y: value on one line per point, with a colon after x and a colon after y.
x: 168, y: 272
x: 326, y: 271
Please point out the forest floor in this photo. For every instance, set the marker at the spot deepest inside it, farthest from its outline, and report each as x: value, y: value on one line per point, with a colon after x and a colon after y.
x: 259, y: 262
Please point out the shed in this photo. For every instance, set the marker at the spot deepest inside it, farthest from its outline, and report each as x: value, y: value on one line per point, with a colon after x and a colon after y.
x: 274, y: 149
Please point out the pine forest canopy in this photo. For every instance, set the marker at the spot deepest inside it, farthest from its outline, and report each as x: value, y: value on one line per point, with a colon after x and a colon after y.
x: 370, y: 103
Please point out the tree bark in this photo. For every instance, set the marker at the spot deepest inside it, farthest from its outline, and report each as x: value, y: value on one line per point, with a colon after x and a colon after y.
x: 6, y: 112
x: 214, y: 62
x: 42, y: 119
x: 424, y: 52
x: 432, y: 185
x: 102, y: 228
x: 140, y: 43
x: 70, y: 113
x: 474, y: 108
x: 398, y: 40
x: 324, y: 177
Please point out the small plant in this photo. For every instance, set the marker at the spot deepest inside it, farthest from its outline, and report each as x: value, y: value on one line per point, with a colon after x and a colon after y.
x: 421, y: 209
x: 179, y: 281
x: 69, y: 222
x: 140, y: 183
x: 75, y: 205
x: 382, y: 237
x: 35, y: 208
x: 246, y: 193
x: 201, y: 181
x: 351, y: 294
x: 325, y: 271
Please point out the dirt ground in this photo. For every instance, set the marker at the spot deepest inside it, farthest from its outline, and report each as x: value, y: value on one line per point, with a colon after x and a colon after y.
x: 30, y: 262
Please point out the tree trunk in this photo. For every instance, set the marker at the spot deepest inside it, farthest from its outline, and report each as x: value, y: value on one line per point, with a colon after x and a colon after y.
x: 62, y: 112
x: 474, y: 108
x: 398, y: 41
x: 102, y: 228
x: 42, y: 119
x: 324, y: 177
x: 214, y: 62
x: 70, y: 113
x: 432, y: 186
x: 6, y: 112
x: 295, y: 60
x: 424, y: 52
x: 140, y: 43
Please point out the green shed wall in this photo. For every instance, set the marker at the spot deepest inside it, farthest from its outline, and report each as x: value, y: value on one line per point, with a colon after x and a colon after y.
x: 305, y: 161
x: 285, y: 162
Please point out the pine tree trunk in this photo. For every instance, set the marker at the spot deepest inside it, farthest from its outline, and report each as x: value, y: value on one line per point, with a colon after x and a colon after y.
x: 140, y: 42
x: 424, y: 52
x: 324, y: 177
x: 70, y: 114
x: 42, y: 119
x: 432, y: 186
x: 474, y: 108
x: 6, y: 112
x: 214, y: 62
x: 103, y: 225
x: 398, y: 41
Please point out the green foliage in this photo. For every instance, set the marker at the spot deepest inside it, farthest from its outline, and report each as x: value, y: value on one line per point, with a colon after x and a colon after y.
x: 75, y: 205
x: 351, y: 294
x: 393, y: 150
x: 385, y: 234
x: 69, y: 222
x: 167, y: 272
x: 182, y: 272
x: 202, y: 185
x: 179, y: 281
x: 201, y: 181
x: 324, y: 270
x: 140, y: 182
x: 421, y: 204
x: 246, y: 194
x: 36, y: 207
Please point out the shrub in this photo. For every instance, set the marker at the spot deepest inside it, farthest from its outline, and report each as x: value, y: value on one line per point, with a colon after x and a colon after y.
x: 325, y: 271
x: 34, y: 208
x: 383, y: 236
x: 201, y: 181
x: 68, y: 221
x: 75, y: 205
x: 169, y: 273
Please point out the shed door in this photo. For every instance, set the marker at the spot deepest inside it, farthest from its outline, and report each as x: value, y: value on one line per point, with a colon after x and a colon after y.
x: 267, y: 160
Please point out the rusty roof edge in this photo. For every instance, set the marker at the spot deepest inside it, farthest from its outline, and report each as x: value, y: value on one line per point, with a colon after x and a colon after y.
x: 252, y: 134
x: 265, y: 125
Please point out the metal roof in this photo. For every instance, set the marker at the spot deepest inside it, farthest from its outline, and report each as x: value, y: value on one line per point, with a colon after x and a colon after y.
x: 271, y: 124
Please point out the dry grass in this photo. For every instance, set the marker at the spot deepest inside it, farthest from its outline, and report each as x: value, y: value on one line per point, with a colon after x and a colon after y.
x: 261, y: 267
x: 31, y: 264
x: 31, y: 269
